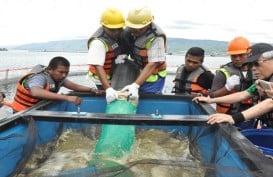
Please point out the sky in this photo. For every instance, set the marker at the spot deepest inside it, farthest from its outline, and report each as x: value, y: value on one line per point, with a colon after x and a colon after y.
x: 34, y: 21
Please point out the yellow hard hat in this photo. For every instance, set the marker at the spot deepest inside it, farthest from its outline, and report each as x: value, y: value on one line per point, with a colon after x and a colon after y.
x: 238, y: 45
x: 112, y: 18
x: 139, y: 18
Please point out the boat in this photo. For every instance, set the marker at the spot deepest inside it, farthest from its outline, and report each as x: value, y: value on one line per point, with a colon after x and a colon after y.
x: 179, y: 139
x: 224, y: 151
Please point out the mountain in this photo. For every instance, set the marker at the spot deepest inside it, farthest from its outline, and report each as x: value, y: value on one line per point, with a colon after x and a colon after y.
x: 76, y: 45
x: 211, y: 47
x: 174, y: 46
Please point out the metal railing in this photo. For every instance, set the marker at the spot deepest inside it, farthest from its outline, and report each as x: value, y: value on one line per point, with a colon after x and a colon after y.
x: 11, y: 75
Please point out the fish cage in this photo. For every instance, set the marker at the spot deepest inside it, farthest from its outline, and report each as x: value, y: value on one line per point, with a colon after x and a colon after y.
x: 167, y: 135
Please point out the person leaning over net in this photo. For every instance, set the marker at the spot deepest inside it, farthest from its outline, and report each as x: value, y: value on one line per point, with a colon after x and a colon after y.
x: 260, y: 59
x: 146, y: 43
x: 103, y: 49
x: 45, y: 84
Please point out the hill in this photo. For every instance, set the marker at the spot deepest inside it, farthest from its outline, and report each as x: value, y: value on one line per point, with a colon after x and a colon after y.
x: 175, y: 46
x: 211, y: 47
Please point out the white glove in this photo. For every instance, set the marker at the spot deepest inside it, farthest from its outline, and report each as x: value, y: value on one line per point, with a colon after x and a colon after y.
x: 232, y: 81
x: 121, y: 58
x: 132, y: 89
x: 111, y: 95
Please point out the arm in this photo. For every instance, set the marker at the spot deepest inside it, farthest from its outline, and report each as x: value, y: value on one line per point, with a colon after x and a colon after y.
x: 102, y: 76
x: 146, y: 72
x: 96, y: 57
x: 156, y: 55
x: 41, y: 93
x: 258, y: 109
x: 81, y: 88
x: 231, y: 98
x: 251, y: 113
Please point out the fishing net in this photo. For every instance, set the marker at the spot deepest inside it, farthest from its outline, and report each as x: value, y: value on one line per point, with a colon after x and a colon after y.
x: 213, y: 159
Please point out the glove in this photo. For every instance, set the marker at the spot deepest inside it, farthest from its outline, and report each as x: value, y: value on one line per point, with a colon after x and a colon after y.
x: 121, y: 58
x: 111, y: 95
x: 232, y: 81
x: 132, y: 89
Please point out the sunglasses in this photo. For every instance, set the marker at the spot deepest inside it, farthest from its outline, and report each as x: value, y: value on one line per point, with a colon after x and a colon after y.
x: 258, y: 63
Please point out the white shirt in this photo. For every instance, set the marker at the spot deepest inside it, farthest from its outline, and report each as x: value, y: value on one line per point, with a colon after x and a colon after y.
x: 96, y: 53
x: 156, y: 53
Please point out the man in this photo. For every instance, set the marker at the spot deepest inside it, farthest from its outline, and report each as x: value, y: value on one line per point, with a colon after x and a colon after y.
x: 103, y: 49
x: 45, y: 84
x: 261, y: 60
x: 146, y: 43
x: 192, y: 77
x: 5, y: 110
x: 233, y: 76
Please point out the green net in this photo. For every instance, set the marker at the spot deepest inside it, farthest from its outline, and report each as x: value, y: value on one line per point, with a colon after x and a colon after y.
x: 115, y: 140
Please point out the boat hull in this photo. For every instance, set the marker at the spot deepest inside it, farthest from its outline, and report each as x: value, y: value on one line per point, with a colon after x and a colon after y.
x: 224, y: 151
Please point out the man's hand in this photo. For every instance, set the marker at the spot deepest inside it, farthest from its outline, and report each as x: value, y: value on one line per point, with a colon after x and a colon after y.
x: 220, y: 118
x: 111, y: 95
x: 132, y: 89
x: 74, y: 99
x: 232, y: 81
x: 97, y: 91
x: 201, y: 99
x: 121, y: 58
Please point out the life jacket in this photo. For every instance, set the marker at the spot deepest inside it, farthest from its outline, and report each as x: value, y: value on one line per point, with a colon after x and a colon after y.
x: 112, y: 51
x: 245, y: 82
x: 189, y: 85
x: 23, y: 98
x: 140, y: 50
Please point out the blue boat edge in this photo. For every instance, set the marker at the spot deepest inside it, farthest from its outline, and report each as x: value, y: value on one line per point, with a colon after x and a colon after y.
x: 231, y: 150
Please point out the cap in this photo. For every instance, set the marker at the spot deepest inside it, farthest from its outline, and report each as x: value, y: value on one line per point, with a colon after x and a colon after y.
x: 256, y: 50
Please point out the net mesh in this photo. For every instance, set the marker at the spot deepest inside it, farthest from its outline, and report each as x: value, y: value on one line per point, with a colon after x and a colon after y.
x: 212, y: 162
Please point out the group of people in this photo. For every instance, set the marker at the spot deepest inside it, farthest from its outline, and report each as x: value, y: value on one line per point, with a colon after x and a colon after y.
x: 137, y: 37
x: 141, y: 40
x: 235, y: 87
x: 240, y: 97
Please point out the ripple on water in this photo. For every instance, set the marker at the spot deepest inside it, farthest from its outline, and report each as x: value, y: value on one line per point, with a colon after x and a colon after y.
x: 155, y: 153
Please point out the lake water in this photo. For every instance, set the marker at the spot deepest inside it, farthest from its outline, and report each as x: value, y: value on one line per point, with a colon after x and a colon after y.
x: 17, y: 63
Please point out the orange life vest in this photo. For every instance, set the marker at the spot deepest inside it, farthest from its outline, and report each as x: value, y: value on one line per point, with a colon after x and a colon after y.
x: 112, y: 51
x: 229, y: 70
x: 23, y: 98
x: 143, y: 43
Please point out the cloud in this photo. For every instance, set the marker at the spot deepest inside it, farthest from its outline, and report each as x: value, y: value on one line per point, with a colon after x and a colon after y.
x: 28, y: 21
x: 184, y: 24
